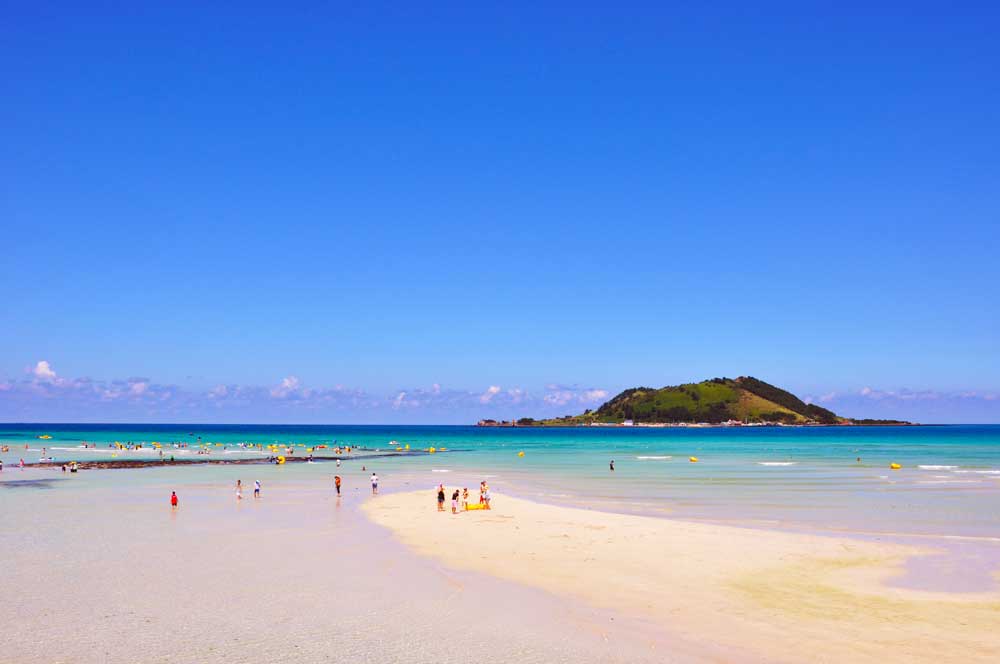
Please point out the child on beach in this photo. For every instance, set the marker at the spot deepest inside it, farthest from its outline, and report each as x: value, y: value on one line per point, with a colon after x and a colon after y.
x: 374, y: 484
x: 256, y: 488
x: 239, y: 490
x: 465, y: 498
x: 454, y: 502
x: 440, y: 498
x: 336, y: 483
x: 173, y: 499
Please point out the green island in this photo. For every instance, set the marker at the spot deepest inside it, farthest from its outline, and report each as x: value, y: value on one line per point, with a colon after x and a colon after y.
x: 719, y: 401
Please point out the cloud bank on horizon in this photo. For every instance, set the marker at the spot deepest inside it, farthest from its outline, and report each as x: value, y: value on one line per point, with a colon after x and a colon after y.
x: 44, y: 395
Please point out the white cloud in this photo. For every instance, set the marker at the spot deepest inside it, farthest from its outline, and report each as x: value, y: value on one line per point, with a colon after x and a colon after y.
x: 594, y: 395
x: 490, y: 392
x: 43, y: 371
x: 560, y: 395
x: 288, y: 386
x: 218, y: 392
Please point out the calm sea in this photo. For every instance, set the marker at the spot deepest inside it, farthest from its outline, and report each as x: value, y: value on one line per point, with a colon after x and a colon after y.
x: 949, y: 482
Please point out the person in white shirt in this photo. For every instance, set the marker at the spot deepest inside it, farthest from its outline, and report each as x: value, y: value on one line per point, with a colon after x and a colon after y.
x: 374, y: 484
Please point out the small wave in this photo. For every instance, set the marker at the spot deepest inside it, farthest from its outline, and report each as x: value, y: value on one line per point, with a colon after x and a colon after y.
x: 980, y: 472
x: 653, y: 458
x: 776, y: 463
x: 951, y: 481
x: 937, y: 467
x: 440, y: 470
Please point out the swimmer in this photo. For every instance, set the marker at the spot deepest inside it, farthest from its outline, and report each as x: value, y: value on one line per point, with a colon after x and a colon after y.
x: 612, y: 465
x: 338, y: 463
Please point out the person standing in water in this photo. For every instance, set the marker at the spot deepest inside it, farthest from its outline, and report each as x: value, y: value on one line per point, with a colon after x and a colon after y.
x: 336, y: 483
x: 374, y: 484
x: 612, y: 465
x: 256, y: 488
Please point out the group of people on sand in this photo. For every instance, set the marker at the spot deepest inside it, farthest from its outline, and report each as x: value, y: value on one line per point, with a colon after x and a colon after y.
x: 460, y: 498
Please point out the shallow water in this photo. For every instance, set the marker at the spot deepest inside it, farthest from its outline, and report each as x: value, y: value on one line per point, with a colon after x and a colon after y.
x: 786, y: 477
x: 100, y: 569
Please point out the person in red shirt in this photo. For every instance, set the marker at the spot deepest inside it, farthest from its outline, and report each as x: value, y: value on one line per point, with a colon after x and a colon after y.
x: 173, y: 499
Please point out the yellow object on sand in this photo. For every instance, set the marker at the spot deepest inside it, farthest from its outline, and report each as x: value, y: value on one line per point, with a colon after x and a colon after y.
x: 520, y: 454
x: 895, y: 466
x: 475, y: 506
x: 281, y: 460
x: 693, y: 459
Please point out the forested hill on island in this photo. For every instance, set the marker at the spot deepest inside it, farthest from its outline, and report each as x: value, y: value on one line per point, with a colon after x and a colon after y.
x: 743, y: 400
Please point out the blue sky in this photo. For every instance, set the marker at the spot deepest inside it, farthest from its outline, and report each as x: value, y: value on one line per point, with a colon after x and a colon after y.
x: 320, y: 207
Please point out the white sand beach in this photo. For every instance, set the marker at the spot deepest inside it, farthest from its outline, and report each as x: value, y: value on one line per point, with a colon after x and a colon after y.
x: 99, y: 569
x: 749, y: 594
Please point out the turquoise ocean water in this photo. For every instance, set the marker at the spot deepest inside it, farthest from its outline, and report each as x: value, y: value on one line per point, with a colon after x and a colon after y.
x: 949, y: 483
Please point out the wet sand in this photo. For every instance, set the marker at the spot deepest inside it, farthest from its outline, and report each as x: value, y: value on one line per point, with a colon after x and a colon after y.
x: 99, y: 568
x: 776, y: 596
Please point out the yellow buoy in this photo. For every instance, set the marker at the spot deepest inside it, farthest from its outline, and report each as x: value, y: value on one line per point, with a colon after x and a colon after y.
x: 693, y: 459
x: 281, y: 460
x: 432, y: 450
x: 407, y: 446
x: 520, y: 454
x: 895, y: 466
